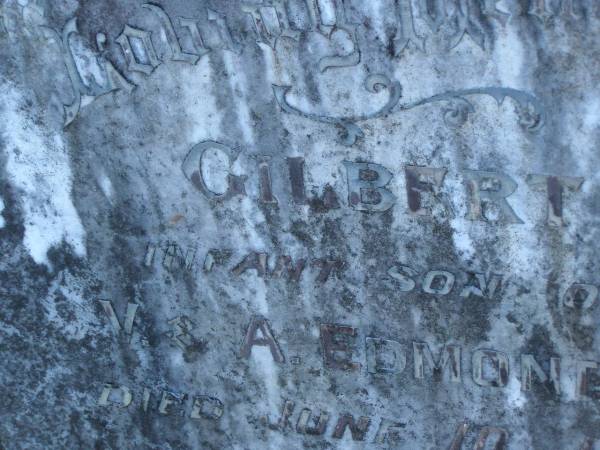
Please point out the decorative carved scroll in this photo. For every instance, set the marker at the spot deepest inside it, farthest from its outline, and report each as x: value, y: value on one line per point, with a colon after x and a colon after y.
x: 530, y: 110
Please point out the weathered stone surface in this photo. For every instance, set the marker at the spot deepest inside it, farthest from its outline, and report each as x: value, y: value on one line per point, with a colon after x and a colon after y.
x: 299, y: 224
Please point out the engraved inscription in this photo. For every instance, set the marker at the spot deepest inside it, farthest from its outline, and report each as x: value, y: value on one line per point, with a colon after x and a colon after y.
x: 442, y: 282
x: 165, y: 402
x: 298, y: 21
x: 347, y: 426
x: 370, y: 187
x: 175, y: 257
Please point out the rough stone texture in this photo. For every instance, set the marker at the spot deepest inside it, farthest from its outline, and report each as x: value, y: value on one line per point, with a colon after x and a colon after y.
x: 114, y: 209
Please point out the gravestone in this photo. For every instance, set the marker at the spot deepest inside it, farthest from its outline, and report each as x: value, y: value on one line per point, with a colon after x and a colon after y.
x: 300, y: 224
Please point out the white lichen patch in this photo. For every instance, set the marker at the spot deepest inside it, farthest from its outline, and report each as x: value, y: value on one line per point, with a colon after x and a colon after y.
x: 38, y: 169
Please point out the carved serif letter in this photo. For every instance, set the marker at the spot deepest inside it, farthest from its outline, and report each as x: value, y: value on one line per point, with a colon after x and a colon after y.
x: 358, y: 429
x: 265, y: 184
x: 388, y: 432
x: 449, y: 357
x: 487, y: 193
x: 207, y: 407
x: 484, y: 435
x: 260, y: 325
x: 498, y: 364
x: 285, y: 266
x: 256, y: 261
x: 529, y: 366
x: 459, y: 436
x: 432, y: 283
x: 320, y: 422
x: 335, y: 339
x: 406, y: 30
x: 481, y: 286
x: 555, y: 189
x: 192, y: 168
x: 420, y: 180
x: 284, y: 420
x: 583, y: 377
x: 384, y: 356
x: 265, y: 23
x: 127, y: 326
x: 580, y: 296
x: 109, y: 394
x: 194, y: 31
x: 366, y: 191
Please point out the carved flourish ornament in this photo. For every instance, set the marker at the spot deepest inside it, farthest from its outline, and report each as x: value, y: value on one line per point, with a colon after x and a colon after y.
x: 456, y: 113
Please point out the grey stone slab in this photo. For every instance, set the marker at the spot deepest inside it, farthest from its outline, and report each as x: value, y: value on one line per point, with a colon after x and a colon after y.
x: 299, y: 224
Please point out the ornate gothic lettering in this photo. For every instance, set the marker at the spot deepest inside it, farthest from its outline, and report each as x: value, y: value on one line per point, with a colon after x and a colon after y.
x: 138, y: 50
x: 112, y: 79
x: 169, y: 32
x: 406, y: 33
